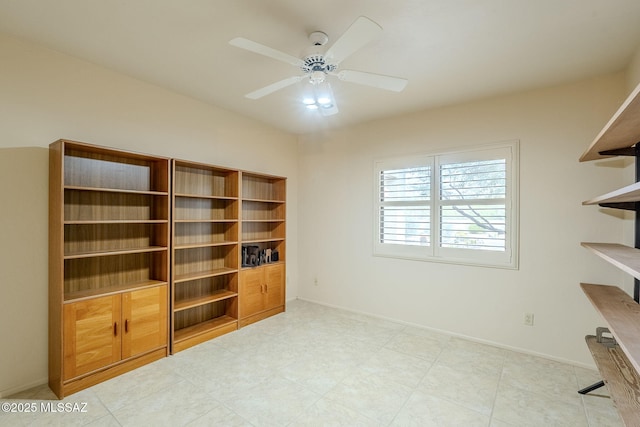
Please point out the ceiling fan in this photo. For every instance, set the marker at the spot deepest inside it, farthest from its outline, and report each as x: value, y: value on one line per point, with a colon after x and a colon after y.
x: 317, y: 66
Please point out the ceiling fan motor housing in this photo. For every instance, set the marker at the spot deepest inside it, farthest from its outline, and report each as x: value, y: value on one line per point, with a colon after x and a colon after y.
x: 316, y: 62
x: 318, y: 38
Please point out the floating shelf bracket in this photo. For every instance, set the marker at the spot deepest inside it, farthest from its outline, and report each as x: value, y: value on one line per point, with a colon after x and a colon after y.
x: 628, y: 206
x: 633, y: 151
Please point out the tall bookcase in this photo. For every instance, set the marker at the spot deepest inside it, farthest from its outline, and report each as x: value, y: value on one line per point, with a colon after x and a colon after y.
x: 262, y: 274
x: 146, y: 259
x: 108, y: 263
x: 619, y: 364
x: 205, y: 253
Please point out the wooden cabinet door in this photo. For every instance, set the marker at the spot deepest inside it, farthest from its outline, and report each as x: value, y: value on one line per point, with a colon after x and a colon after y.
x: 92, y: 332
x: 274, y: 280
x: 252, y: 292
x: 144, y: 320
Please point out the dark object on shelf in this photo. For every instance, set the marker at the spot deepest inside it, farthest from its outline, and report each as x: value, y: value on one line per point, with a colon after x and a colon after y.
x: 250, y: 256
x: 253, y: 256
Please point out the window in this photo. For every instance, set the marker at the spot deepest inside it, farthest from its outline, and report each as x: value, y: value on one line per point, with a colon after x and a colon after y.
x: 456, y: 207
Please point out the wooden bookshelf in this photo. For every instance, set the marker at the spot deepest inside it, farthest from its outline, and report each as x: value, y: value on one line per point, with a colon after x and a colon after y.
x: 108, y: 262
x: 263, y: 227
x: 145, y: 258
x: 205, y: 252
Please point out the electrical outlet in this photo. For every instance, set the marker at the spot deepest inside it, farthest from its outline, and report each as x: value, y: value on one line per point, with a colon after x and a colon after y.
x: 528, y: 319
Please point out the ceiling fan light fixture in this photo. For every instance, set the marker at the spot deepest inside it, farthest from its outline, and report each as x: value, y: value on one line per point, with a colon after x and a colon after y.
x: 320, y: 97
x: 317, y: 77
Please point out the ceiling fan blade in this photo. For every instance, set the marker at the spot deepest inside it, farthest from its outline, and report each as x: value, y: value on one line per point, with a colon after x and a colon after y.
x: 261, y: 49
x: 362, y: 31
x: 256, y: 94
x: 395, y: 84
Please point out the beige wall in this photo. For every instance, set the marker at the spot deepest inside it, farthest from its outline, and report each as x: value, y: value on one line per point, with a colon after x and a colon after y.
x: 46, y: 96
x: 554, y: 127
x: 633, y: 70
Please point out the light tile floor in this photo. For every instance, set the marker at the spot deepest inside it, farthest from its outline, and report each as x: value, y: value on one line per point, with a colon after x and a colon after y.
x: 315, y: 366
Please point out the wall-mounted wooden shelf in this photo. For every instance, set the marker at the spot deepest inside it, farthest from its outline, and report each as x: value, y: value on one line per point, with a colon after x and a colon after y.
x: 622, y: 131
x: 624, y: 257
x: 630, y: 193
x: 622, y: 315
x: 621, y: 312
x: 621, y: 379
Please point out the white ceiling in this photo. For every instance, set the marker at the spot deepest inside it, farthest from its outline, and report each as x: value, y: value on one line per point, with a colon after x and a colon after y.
x: 450, y: 50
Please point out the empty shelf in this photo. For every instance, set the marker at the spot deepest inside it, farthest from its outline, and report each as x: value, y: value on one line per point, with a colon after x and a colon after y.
x: 622, y: 131
x: 624, y: 257
x: 630, y: 193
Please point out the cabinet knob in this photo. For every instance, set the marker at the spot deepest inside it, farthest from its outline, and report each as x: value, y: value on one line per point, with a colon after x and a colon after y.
x: 126, y: 325
x: 115, y: 329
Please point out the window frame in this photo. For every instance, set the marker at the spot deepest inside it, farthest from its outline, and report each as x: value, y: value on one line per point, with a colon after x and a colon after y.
x: 507, y: 259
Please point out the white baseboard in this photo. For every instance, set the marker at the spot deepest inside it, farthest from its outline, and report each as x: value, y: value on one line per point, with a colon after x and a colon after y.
x: 453, y: 334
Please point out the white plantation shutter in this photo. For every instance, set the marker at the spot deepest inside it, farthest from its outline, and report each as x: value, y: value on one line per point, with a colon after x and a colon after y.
x: 452, y: 207
x: 472, y: 205
x: 405, y: 209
